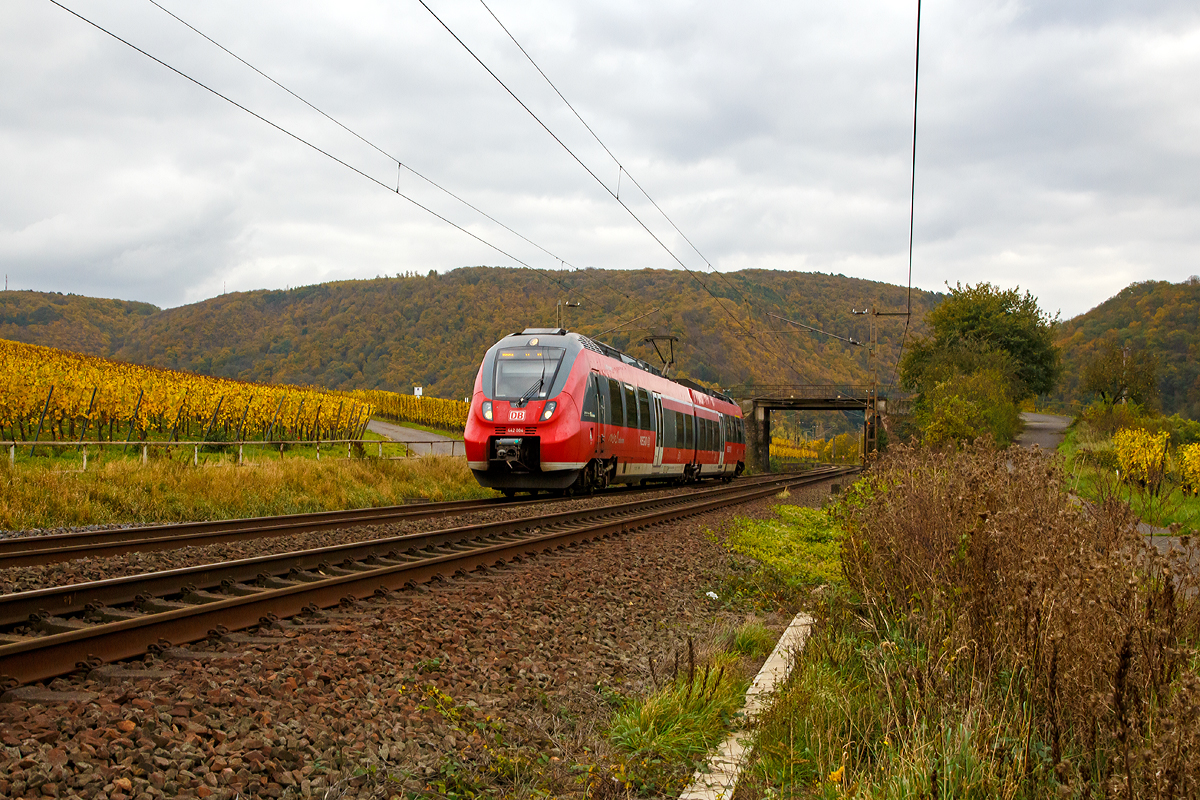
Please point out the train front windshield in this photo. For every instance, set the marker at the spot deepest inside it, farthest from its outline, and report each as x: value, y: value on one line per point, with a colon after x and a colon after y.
x: 526, y: 372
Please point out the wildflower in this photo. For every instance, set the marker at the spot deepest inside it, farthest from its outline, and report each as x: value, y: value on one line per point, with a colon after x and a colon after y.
x: 837, y: 775
x: 712, y: 595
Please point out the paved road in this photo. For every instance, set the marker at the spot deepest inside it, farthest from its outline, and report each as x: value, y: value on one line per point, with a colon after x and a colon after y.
x: 421, y: 442
x: 1044, y: 430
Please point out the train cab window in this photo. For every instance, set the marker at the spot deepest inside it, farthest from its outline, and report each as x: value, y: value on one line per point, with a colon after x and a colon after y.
x: 526, y: 373
x: 631, y: 414
x: 591, y: 407
x: 616, y: 416
x: 645, y: 421
x: 689, y: 438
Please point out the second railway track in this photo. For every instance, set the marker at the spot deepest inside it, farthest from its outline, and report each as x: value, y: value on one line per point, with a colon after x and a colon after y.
x: 53, y: 631
x: 29, y: 551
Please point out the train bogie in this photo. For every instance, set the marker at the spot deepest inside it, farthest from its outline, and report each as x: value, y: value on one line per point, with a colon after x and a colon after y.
x: 555, y: 410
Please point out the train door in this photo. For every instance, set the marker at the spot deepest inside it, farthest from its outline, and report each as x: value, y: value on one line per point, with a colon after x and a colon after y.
x: 656, y: 411
x: 720, y: 434
x: 600, y: 387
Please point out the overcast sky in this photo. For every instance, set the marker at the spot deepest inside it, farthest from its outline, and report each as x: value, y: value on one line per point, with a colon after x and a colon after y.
x: 1058, y: 144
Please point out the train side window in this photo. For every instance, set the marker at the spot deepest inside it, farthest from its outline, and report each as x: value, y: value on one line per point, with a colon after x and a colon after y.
x: 701, y: 433
x: 689, y: 438
x: 616, y: 416
x: 644, y: 418
x: 669, y: 436
x: 708, y: 434
x: 591, y: 410
x: 631, y: 420
x: 679, y: 440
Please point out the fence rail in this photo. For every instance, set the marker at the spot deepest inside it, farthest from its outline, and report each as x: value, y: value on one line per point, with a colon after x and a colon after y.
x: 415, y: 448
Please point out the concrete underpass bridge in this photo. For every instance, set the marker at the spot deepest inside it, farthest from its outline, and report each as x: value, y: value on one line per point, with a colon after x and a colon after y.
x: 757, y: 408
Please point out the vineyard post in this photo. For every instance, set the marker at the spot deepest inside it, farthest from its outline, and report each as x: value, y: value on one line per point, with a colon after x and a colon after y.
x: 41, y: 419
x: 178, y: 417
x: 133, y: 420
x: 296, y: 423
x: 274, y: 417
x: 316, y: 426
x: 338, y: 420
x: 84, y: 459
x: 242, y: 427
x: 212, y: 421
x: 87, y: 423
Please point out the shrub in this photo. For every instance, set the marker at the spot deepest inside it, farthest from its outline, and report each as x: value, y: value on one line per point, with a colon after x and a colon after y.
x: 1141, y: 455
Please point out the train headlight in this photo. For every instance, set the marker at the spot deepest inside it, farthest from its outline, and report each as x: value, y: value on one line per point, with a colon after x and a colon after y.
x: 548, y: 411
x: 487, y: 410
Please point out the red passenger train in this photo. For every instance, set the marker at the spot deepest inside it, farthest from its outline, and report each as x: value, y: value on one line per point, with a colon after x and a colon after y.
x: 557, y: 411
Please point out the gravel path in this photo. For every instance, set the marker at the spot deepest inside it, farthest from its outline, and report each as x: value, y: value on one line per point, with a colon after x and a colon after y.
x: 493, y: 681
x: 1045, y: 430
x: 423, y: 442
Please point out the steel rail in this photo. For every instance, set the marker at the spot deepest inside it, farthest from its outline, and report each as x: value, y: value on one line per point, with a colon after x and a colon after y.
x: 29, y: 551
x: 19, y: 607
x: 58, y: 653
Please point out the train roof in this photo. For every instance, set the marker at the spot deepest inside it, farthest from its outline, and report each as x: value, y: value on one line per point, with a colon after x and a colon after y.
x: 614, y: 353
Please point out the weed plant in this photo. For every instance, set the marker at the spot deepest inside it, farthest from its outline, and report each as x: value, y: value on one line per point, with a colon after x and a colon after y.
x: 995, y: 640
x: 791, y: 553
x: 168, y: 491
x: 654, y: 744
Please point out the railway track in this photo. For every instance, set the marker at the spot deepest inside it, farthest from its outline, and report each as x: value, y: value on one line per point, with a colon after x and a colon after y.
x: 29, y: 551
x: 53, y: 631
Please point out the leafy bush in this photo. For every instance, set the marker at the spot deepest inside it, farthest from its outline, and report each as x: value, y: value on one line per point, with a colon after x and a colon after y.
x: 1142, y: 455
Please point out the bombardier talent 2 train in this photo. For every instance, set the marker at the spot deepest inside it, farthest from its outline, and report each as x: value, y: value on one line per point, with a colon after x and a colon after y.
x: 557, y: 411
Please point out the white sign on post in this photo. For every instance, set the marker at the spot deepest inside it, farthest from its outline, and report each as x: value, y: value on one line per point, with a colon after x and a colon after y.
x: 417, y: 390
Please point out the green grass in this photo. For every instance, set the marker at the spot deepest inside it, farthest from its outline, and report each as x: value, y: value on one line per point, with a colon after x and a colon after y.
x: 855, y: 717
x: 797, y: 550
x: 658, y: 741
x: 1090, y: 465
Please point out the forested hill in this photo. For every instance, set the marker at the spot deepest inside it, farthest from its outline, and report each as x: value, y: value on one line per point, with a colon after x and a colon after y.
x: 432, y: 331
x: 1160, y: 317
x: 91, y: 325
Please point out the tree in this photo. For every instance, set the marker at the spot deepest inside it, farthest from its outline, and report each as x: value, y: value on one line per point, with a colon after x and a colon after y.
x: 1119, y: 373
x: 979, y: 325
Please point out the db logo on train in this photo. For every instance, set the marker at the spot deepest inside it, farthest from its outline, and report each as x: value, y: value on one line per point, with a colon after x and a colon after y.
x: 516, y: 415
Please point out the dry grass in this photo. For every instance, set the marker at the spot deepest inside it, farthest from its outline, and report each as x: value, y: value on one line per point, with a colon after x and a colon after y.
x: 998, y: 640
x: 982, y: 556
x: 166, y: 491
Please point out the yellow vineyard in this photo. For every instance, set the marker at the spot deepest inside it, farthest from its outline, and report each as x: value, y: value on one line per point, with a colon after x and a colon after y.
x: 842, y: 448
x: 77, y: 397
x: 432, y: 411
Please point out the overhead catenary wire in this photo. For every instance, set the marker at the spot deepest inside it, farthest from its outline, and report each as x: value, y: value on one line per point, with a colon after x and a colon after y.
x: 622, y: 170
x: 400, y: 165
x: 594, y: 176
x: 308, y: 144
x: 912, y: 193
